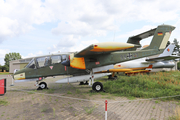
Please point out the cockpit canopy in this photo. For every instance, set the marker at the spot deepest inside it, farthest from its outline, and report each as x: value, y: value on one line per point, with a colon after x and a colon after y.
x: 46, y: 60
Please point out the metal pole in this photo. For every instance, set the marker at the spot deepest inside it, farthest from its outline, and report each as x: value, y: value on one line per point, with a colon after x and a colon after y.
x: 12, y: 81
x: 106, y: 102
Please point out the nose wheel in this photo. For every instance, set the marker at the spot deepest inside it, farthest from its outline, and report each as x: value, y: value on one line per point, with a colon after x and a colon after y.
x: 42, y: 86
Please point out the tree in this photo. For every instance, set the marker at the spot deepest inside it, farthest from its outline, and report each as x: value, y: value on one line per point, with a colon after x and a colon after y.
x: 9, y: 57
x: 176, y: 49
x: 168, y: 43
x: 178, y: 65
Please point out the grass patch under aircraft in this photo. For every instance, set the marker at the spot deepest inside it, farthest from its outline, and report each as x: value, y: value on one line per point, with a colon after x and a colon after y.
x: 146, y: 86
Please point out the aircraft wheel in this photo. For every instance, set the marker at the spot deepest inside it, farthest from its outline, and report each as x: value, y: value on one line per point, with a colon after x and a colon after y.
x: 42, y: 85
x: 81, y: 83
x: 115, y: 77
x: 86, y: 83
x: 97, y: 86
x: 109, y: 76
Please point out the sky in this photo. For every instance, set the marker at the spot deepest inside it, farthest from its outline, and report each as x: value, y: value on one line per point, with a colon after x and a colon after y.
x: 41, y: 27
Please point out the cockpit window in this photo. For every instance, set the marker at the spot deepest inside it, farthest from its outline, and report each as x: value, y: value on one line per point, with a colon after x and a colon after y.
x: 55, y: 59
x: 31, y: 64
x: 43, y: 61
x: 64, y: 57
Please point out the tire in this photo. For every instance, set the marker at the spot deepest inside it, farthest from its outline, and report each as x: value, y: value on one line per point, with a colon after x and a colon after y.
x: 42, y: 85
x: 97, y: 86
x: 81, y: 83
x: 109, y: 76
x: 115, y: 77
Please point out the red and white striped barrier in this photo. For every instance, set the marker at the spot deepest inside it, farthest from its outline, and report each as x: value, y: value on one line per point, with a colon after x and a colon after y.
x: 8, y: 75
x: 106, y: 102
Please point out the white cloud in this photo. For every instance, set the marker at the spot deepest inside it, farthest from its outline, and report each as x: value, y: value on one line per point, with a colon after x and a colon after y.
x: 82, y: 18
x: 77, y: 19
x: 64, y: 44
x: 89, y: 42
x: 33, y: 54
x: 72, y: 28
x: 18, y: 16
x: 76, y: 46
x: 136, y: 32
x: 3, y: 52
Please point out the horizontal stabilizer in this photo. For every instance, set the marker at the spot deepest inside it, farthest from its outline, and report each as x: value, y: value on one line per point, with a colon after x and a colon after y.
x: 137, y: 38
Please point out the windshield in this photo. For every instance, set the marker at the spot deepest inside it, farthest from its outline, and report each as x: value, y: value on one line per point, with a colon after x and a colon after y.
x: 31, y: 64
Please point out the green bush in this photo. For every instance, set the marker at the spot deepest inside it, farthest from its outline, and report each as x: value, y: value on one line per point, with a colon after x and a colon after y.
x: 178, y: 65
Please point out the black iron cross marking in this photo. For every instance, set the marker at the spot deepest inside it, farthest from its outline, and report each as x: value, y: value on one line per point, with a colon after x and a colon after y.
x: 129, y: 55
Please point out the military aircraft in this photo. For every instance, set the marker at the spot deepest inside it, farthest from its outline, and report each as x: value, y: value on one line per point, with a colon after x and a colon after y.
x: 146, y: 64
x: 95, y: 58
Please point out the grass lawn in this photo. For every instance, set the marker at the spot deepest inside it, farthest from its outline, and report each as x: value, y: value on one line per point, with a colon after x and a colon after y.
x: 146, y: 86
x: 5, y: 73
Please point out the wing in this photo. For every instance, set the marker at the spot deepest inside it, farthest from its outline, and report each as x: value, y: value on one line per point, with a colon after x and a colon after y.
x: 104, y: 48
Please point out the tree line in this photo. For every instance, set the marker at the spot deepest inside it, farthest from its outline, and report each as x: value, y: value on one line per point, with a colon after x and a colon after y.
x: 9, y: 57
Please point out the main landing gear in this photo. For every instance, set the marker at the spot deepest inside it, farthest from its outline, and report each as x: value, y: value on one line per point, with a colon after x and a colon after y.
x: 97, y: 86
x: 110, y: 77
x: 82, y: 83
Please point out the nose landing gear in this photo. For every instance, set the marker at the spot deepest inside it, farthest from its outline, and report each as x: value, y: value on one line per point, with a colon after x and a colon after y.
x: 41, y: 85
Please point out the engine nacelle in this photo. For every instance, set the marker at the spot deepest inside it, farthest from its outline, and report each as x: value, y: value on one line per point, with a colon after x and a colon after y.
x: 77, y: 62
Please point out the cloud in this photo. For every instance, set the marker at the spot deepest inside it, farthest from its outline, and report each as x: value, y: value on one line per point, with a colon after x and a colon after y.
x: 18, y: 16
x: 75, y: 20
x: 94, y: 18
x: 135, y: 32
x: 72, y: 28
x: 3, y: 52
x: 64, y: 44
x: 33, y: 55
x: 76, y: 45
x: 175, y: 33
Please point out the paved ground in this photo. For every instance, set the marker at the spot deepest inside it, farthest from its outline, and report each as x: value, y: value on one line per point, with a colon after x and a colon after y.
x: 74, y: 102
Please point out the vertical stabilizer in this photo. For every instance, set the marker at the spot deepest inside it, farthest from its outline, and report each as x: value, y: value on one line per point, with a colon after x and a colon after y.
x: 161, y: 37
x: 168, y: 51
